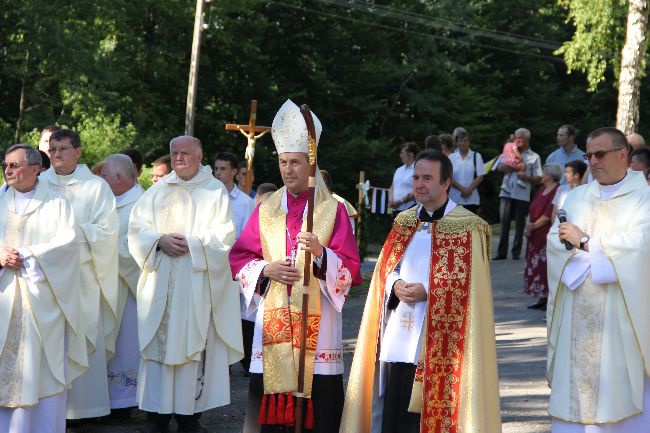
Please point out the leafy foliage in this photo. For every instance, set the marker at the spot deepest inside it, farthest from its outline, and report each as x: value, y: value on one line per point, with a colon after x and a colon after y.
x: 598, y: 38
x: 377, y: 74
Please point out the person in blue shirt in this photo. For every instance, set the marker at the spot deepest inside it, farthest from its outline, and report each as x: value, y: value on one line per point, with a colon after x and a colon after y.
x: 567, y: 150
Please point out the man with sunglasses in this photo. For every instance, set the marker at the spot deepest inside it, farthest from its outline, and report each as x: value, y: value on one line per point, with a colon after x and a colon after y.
x: 93, y: 205
x: 599, y: 280
x: 43, y: 343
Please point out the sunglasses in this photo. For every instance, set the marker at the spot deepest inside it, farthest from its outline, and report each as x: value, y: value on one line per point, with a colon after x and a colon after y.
x: 599, y: 154
x: 13, y: 165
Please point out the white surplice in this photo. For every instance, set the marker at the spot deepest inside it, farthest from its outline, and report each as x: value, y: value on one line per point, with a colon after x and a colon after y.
x: 402, y: 335
x: 93, y: 204
x: 188, y: 305
x: 599, y: 329
x: 40, y: 311
x: 123, y: 368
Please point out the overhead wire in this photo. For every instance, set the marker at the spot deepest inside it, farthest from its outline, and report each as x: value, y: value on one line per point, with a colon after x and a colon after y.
x: 416, y: 33
x: 446, y: 24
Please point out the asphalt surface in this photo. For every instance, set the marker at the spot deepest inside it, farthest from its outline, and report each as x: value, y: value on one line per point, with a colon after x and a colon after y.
x: 521, y: 349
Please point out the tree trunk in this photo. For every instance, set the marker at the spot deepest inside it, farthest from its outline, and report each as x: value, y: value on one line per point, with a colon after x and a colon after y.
x: 23, y: 101
x: 629, y: 89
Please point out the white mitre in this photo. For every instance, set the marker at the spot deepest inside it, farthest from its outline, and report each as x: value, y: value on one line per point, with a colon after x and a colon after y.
x: 289, y: 129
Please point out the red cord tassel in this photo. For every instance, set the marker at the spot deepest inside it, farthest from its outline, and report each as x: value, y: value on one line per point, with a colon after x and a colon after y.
x: 309, y: 418
x: 290, y: 412
x: 281, y: 409
x: 261, y: 418
x: 273, y: 416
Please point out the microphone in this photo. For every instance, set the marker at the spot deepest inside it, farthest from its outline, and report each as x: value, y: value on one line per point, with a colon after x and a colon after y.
x: 561, y: 216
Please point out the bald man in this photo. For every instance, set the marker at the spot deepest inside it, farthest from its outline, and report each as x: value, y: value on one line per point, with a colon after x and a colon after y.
x: 636, y: 141
x: 180, y: 233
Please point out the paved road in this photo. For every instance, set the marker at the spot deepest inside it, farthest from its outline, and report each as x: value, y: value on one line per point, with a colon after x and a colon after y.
x: 521, y: 347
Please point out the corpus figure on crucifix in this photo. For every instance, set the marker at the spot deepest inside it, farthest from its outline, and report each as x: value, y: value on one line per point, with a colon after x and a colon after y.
x: 249, y: 132
x: 268, y: 259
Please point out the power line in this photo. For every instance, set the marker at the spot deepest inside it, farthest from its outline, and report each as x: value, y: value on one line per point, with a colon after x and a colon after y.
x: 416, y: 33
x: 430, y: 21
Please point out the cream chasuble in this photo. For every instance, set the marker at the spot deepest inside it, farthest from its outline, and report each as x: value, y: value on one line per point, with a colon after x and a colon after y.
x: 599, y: 333
x: 39, y: 306
x: 187, y: 305
x: 93, y: 205
x: 123, y: 368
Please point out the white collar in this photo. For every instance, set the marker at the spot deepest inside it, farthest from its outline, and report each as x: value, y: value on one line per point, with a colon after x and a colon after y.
x: 124, y: 197
x: 607, y: 191
x: 450, y: 206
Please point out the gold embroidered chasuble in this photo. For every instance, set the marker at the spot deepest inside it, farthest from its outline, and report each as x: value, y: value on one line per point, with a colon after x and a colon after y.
x: 93, y: 204
x: 283, y: 314
x: 179, y: 298
x: 37, y: 316
x: 599, y: 334
x: 456, y: 384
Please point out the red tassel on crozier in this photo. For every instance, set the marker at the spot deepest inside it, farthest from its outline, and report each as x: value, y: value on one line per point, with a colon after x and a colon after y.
x: 273, y: 416
x: 281, y: 409
x: 309, y: 418
x: 261, y: 417
x: 290, y: 412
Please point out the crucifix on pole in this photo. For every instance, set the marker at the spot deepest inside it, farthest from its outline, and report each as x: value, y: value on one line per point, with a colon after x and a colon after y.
x: 249, y: 132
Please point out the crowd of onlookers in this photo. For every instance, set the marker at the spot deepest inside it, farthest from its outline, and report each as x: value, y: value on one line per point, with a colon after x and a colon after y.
x: 523, y: 171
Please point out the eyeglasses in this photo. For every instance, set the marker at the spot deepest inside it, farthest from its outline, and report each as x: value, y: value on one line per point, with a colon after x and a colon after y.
x: 54, y: 150
x: 600, y: 154
x: 13, y: 165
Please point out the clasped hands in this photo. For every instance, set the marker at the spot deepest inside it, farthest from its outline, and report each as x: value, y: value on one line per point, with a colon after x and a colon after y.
x: 174, y: 244
x: 10, y: 258
x: 283, y: 271
x: 409, y: 292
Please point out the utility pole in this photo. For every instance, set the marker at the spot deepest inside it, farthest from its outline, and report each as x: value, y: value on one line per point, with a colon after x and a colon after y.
x: 194, y: 68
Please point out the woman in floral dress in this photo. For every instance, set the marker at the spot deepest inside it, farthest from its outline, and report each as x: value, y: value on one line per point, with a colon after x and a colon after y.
x: 539, y: 214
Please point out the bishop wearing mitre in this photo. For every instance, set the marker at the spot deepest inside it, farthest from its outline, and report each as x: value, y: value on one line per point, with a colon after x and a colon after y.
x: 268, y: 260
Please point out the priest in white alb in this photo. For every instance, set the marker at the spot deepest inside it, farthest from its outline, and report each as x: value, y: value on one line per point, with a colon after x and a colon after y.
x: 598, y: 359
x: 42, y: 339
x: 180, y: 233
x: 119, y: 172
x: 93, y: 205
x: 268, y: 262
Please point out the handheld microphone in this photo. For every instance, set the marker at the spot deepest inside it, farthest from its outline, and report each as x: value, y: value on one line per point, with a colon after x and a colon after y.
x: 561, y: 216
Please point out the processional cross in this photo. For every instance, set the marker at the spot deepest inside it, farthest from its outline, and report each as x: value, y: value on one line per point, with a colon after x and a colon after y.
x: 249, y: 132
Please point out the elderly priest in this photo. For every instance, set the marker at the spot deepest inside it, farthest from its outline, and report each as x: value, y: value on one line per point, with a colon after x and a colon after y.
x: 42, y: 339
x: 180, y: 233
